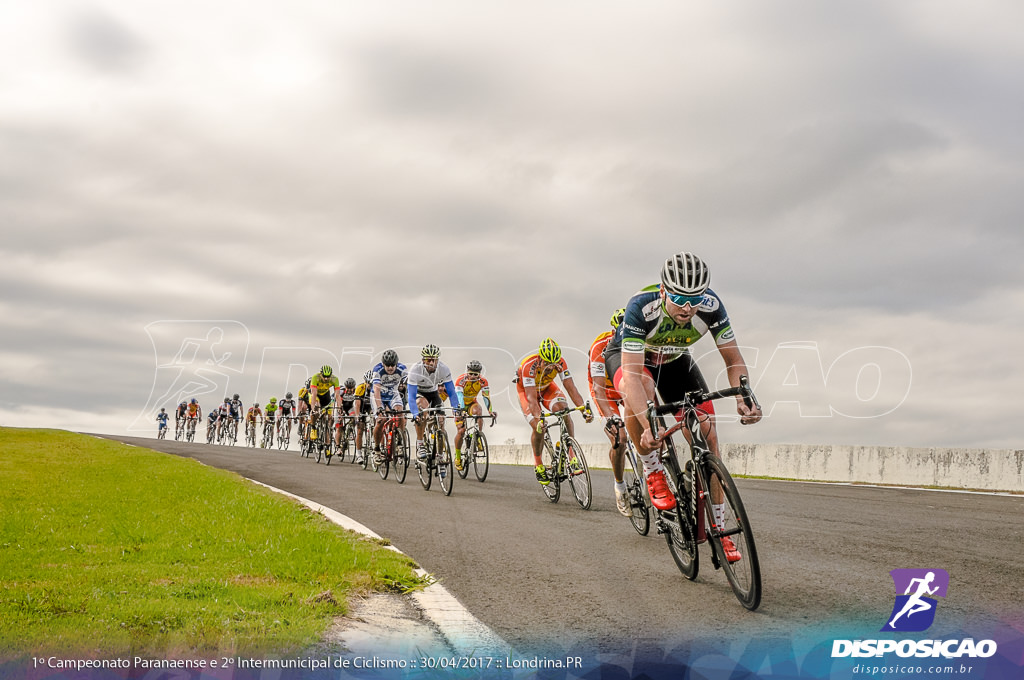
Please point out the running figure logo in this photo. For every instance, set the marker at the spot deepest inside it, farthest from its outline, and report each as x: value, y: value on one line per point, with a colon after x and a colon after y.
x: 914, y: 610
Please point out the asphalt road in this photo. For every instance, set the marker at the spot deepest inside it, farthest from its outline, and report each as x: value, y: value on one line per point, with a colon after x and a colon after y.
x: 537, y: 572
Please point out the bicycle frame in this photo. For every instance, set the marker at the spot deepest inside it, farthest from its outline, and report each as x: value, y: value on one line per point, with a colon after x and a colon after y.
x: 561, y: 468
x: 702, y: 475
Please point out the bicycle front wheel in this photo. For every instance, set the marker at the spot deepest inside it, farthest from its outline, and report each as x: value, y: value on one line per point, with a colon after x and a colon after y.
x: 553, y: 489
x: 579, y: 473
x: 401, y: 455
x: 468, y: 442
x: 640, y: 514
x: 481, y: 457
x: 744, y: 571
x: 425, y: 472
x: 445, y: 466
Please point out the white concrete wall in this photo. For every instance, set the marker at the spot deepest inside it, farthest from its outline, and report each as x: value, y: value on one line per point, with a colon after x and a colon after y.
x: 986, y: 469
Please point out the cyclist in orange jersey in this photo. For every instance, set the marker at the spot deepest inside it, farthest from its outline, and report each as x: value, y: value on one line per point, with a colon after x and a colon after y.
x: 607, y: 400
x: 535, y: 383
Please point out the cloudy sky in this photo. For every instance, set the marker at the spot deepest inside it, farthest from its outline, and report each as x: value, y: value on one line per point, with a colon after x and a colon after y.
x: 204, y: 198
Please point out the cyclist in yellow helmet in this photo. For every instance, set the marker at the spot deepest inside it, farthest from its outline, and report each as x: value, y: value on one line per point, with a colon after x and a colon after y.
x: 535, y: 383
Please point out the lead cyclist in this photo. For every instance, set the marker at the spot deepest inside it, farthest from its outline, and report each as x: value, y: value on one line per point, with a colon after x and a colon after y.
x: 650, y: 353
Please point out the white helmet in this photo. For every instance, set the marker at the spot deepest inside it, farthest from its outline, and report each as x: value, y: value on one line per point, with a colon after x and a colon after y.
x: 685, y: 274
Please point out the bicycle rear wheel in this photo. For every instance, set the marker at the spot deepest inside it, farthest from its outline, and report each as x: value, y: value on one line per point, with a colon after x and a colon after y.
x: 553, y: 489
x: 401, y: 455
x: 744, y: 574
x: 579, y: 473
x: 640, y: 516
x: 445, y: 466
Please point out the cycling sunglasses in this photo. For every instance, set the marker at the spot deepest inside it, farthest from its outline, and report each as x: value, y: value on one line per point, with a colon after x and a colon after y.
x: 692, y: 300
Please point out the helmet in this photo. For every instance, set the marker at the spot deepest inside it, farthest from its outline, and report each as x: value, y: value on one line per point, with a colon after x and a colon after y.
x: 617, y: 316
x: 474, y: 366
x: 273, y: 400
x: 288, y: 395
x: 350, y: 383
x: 163, y: 410
x: 256, y: 404
x: 685, y: 274
x: 194, y: 400
x: 227, y: 400
x: 550, y: 351
x: 430, y: 351
x: 368, y: 376
x: 389, y: 358
x: 236, y: 397
x: 326, y: 371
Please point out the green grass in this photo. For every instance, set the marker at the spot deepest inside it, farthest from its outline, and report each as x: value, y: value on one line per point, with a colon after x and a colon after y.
x: 108, y: 549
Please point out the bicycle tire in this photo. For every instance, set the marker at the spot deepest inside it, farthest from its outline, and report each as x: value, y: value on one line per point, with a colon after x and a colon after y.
x: 401, y: 457
x: 468, y: 443
x: 553, y: 489
x: 445, y: 466
x: 744, y: 575
x: 384, y: 466
x: 678, y: 526
x: 640, y: 514
x: 482, y: 453
x: 579, y: 478
x: 424, y: 469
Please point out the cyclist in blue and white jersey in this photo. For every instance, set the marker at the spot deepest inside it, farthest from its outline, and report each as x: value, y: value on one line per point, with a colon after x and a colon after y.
x: 426, y: 381
x: 236, y: 410
x: 650, y: 352
x: 162, y: 419
x: 388, y: 378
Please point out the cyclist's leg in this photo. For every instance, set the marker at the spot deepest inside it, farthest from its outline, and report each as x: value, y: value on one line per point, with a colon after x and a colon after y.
x: 536, y: 438
x: 554, y: 401
x: 634, y: 421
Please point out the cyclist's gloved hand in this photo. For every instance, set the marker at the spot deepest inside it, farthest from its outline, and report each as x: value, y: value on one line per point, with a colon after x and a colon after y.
x: 588, y: 415
x: 541, y: 425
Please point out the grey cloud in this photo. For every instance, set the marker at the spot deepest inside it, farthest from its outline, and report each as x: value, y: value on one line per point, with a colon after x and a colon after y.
x: 104, y: 43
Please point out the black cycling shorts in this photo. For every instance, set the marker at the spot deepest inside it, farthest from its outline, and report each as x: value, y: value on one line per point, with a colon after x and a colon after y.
x: 673, y: 380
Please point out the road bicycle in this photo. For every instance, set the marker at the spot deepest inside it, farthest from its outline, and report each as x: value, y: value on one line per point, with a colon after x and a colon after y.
x: 364, y: 437
x: 348, y: 438
x: 565, y: 460
x: 250, y: 433
x: 211, y: 431
x: 439, y: 451
x: 228, y: 432
x: 394, y: 447
x: 190, y: 428
x: 318, y: 435
x: 284, y: 432
x: 693, y: 520
x: 179, y: 428
x: 475, y: 451
x: 269, y: 424
x: 161, y: 432
x: 636, y: 489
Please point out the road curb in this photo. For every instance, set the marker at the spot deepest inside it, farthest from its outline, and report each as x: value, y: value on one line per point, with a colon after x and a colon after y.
x: 461, y: 632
